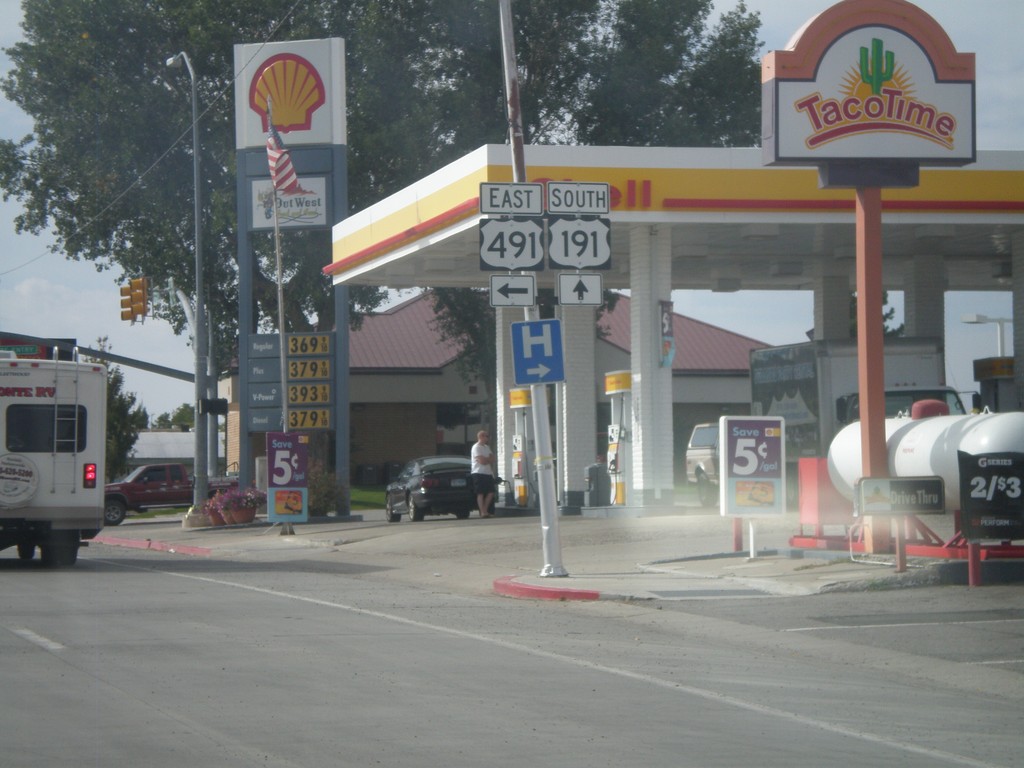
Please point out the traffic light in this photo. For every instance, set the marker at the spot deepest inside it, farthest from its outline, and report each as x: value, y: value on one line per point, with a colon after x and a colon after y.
x: 135, y: 299
x: 126, y: 303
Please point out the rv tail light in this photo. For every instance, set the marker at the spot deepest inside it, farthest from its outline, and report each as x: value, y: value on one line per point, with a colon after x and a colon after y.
x: 89, y: 476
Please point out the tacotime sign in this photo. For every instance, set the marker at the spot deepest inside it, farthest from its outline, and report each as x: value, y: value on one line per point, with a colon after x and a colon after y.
x: 869, y: 80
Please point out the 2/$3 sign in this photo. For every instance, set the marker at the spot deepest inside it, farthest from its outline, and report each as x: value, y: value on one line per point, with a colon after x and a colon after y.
x: 991, y: 495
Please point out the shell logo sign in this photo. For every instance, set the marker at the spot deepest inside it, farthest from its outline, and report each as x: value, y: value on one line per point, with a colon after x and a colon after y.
x: 293, y: 87
x: 304, y: 81
x: 869, y: 80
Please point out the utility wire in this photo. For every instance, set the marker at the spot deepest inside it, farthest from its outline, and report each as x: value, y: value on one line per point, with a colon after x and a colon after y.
x: 184, y: 134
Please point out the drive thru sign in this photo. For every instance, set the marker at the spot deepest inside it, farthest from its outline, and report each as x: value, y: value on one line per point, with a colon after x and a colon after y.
x: 537, y: 352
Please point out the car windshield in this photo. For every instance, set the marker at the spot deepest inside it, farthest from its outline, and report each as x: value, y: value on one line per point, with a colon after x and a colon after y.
x: 704, y: 437
x: 131, y: 476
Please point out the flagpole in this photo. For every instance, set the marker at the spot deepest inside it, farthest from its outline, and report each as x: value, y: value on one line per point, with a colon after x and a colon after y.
x: 280, y: 298
x: 286, y: 528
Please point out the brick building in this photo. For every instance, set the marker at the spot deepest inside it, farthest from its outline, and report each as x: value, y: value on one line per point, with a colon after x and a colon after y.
x: 407, y: 399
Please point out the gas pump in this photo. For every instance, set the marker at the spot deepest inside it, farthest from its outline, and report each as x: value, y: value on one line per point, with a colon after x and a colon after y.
x: 519, y: 401
x: 618, y: 386
x: 995, y: 376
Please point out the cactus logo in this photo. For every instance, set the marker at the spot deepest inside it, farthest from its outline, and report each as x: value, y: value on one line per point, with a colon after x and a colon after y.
x: 877, y: 97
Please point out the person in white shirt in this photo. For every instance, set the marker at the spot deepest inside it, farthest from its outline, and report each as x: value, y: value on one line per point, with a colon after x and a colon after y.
x: 482, y: 473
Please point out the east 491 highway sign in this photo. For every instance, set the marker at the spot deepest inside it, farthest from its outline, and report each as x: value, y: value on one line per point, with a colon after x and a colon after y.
x: 511, y: 244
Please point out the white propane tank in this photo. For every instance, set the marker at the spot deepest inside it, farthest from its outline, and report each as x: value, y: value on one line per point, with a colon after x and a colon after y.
x: 927, y: 447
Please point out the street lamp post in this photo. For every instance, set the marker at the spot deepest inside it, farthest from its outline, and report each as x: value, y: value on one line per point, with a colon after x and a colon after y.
x: 999, y: 323
x: 199, y: 339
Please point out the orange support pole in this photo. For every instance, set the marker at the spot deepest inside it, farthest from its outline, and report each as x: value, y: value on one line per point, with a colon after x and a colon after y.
x: 871, y: 353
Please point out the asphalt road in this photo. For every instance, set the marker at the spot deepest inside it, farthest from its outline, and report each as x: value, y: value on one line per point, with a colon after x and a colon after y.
x: 372, y: 653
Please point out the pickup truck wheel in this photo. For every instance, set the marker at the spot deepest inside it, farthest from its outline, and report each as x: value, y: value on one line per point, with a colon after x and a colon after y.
x: 114, y: 512
x: 26, y: 551
x: 706, y: 491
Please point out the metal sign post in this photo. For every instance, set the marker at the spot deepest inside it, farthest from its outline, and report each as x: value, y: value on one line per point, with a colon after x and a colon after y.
x: 538, y: 392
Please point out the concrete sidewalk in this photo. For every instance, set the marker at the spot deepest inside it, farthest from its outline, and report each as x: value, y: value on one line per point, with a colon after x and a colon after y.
x: 608, y: 559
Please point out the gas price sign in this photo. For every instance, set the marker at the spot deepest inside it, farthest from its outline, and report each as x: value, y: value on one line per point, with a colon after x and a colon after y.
x: 991, y: 495
x: 752, y: 466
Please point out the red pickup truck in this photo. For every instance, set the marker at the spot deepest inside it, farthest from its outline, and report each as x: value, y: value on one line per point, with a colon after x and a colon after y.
x: 154, y: 485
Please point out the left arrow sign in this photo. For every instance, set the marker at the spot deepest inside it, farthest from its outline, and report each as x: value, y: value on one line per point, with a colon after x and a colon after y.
x: 513, y: 290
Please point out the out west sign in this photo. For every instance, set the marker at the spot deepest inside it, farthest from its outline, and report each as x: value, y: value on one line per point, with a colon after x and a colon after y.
x: 869, y: 80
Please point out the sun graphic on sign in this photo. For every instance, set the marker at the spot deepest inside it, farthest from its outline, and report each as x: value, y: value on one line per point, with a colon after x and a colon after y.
x: 853, y: 84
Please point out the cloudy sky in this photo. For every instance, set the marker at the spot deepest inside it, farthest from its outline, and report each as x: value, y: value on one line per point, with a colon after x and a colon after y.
x: 43, y: 294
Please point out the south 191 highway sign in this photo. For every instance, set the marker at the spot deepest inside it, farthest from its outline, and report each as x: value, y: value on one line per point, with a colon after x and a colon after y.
x: 579, y: 243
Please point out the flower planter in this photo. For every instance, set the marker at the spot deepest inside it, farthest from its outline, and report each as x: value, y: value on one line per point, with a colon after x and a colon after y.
x: 239, y: 516
x: 235, y: 506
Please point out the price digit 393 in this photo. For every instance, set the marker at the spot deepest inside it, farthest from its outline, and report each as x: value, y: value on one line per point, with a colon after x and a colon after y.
x: 309, y: 393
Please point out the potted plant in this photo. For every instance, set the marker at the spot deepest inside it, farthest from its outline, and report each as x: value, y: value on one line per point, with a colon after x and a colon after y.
x: 235, y: 506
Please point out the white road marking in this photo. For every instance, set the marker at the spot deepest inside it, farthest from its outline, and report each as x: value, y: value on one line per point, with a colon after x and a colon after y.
x: 703, y: 693
x: 43, y: 642
x: 831, y: 627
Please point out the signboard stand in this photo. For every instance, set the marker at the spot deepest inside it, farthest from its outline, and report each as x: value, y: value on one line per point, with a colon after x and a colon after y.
x: 897, y: 52
x: 287, y: 480
x: 752, y: 472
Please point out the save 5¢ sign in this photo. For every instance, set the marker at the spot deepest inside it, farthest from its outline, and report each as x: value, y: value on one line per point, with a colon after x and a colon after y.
x: 752, y: 466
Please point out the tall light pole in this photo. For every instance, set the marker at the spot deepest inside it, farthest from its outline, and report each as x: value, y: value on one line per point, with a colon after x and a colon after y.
x: 998, y: 321
x: 199, y: 339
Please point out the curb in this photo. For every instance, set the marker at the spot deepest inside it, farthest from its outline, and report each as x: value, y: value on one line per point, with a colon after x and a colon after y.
x: 508, y: 586
x: 156, y: 546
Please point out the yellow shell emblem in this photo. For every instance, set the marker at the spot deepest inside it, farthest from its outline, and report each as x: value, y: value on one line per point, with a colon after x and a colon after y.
x: 294, y: 90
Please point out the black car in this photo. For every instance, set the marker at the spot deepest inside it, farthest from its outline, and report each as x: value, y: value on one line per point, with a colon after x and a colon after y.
x: 432, y: 485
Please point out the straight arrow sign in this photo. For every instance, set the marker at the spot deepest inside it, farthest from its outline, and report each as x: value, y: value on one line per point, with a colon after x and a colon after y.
x: 580, y: 288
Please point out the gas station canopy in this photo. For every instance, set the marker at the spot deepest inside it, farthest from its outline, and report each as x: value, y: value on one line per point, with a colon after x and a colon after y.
x: 735, y: 224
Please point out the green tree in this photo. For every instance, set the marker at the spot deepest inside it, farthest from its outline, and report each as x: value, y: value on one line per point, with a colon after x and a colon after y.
x: 183, y: 417
x: 466, y: 317
x: 108, y: 165
x: 888, y: 315
x: 125, y: 420
x: 661, y: 78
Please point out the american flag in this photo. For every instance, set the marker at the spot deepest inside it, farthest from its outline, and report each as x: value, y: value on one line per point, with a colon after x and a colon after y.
x: 282, y: 172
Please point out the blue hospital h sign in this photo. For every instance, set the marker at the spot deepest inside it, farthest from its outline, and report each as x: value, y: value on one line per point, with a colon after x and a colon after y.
x: 537, y: 352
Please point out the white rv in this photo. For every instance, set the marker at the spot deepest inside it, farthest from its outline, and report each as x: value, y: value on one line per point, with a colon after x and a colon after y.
x: 53, y: 416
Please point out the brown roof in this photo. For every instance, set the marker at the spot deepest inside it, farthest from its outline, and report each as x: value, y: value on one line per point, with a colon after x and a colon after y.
x: 701, y: 348
x: 404, y: 337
